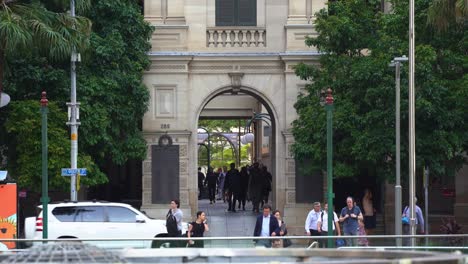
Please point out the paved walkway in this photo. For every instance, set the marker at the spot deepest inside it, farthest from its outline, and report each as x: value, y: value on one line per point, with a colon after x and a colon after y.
x: 228, y: 224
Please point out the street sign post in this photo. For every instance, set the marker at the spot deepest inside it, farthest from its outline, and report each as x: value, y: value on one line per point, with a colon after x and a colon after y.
x: 73, y: 172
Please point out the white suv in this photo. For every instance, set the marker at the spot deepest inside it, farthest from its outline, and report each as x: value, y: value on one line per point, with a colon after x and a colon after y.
x: 84, y: 220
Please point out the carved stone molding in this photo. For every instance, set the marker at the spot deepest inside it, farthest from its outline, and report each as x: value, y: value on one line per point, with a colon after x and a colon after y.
x: 183, y: 166
x: 236, y: 81
x: 183, y: 151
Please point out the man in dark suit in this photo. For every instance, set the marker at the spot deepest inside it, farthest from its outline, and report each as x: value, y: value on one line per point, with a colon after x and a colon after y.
x: 266, y: 226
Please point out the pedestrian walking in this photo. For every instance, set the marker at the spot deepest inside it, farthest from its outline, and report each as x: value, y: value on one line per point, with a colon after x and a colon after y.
x: 211, y: 180
x: 232, y: 187
x: 369, y: 212
x: 196, y: 229
x: 406, y: 223
x: 323, y: 223
x: 174, y: 221
x: 201, y: 180
x: 221, y: 179
x: 266, y: 226
x: 267, y: 179
x: 362, y: 240
x: 244, y: 185
x: 349, y: 217
x: 283, y: 232
x: 256, y: 186
x: 311, y: 222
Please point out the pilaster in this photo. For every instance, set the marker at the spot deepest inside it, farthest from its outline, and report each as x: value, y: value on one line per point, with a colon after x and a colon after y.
x: 165, y: 12
x: 297, y: 12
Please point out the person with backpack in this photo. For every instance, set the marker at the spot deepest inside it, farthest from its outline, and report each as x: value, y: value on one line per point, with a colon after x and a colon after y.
x: 406, y: 223
x: 350, y: 214
x: 174, y: 220
x: 322, y: 225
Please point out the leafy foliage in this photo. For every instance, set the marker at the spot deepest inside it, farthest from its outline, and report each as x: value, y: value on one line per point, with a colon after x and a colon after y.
x: 222, y: 153
x: 113, y: 99
x: 358, y: 42
x: 29, y: 25
x: 110, y: 82
x: 26, y: 161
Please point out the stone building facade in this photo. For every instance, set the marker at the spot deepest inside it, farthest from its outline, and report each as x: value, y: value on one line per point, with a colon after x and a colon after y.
x: 201, y: 49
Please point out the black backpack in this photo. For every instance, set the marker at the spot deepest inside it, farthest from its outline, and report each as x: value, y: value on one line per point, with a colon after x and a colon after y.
x: 171, y: 224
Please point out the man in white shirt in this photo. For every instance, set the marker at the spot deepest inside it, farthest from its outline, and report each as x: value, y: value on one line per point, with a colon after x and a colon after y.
x: 311, y: 223
x: 323, y: 223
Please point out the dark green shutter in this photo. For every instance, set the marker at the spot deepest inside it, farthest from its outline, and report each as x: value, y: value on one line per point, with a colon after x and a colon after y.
x: 247, y: 13
x: 225, y: 13
x: 236, y: 12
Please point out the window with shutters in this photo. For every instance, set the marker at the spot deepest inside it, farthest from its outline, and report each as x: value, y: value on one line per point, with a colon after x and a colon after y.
x: 236, y: 12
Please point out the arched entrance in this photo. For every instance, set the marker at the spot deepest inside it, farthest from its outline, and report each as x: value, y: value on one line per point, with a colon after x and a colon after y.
x: 245, y: 103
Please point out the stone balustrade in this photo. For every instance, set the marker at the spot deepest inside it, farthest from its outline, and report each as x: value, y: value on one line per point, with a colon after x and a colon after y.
x: 235, y: 37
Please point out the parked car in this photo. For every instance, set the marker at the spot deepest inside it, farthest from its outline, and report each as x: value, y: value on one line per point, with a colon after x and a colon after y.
x: 88, y: 220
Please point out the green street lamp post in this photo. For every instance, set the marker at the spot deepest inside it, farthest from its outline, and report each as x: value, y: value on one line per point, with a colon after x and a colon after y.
x: 45, y: 176
x: 330, y: 195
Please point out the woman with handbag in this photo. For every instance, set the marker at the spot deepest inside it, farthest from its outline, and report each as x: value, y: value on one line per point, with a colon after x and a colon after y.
x: 284, y: 231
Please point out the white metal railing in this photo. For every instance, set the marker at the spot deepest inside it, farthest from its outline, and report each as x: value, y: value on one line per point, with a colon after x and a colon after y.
x: 303, y: 238
x: 235, y: 37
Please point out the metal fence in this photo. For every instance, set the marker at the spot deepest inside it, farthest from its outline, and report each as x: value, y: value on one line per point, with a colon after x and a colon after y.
x: 304, y: 249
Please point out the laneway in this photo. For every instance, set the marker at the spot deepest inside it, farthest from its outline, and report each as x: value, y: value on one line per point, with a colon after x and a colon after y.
x: 228, y: 224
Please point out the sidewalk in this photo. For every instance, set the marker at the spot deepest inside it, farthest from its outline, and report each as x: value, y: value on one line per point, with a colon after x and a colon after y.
x: 228, y: 224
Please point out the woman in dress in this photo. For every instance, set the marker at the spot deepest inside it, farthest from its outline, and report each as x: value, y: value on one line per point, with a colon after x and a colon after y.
x: 196, y: 229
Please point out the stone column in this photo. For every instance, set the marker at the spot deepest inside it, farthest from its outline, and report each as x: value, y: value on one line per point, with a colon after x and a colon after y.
x: 461, y: 199
x: 297, y: 12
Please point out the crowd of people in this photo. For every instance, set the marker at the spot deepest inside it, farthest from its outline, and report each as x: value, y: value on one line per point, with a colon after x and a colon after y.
x: 236, y: 188
x: 351, y: 221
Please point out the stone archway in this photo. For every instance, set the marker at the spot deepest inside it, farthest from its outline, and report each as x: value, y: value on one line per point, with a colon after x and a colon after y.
x: 269, y: 106
x: 181, y: 85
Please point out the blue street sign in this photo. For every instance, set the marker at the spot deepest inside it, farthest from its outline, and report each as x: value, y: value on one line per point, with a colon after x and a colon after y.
x: 73, y: 172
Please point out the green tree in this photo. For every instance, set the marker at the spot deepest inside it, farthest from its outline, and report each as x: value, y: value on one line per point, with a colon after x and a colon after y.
x: 113, y: 97
x: 358, y: 42
x: 28, y: 26
x: 26, y: 160
x: 443, y: 13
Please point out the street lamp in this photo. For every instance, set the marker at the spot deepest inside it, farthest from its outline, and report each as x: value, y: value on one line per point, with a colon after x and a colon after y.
x: 330, y: 195
x: 411, y: 126
x: 249, y: 137
x: 45, y: 176
x: 397, y: 63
